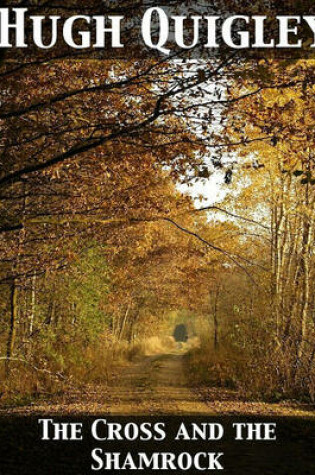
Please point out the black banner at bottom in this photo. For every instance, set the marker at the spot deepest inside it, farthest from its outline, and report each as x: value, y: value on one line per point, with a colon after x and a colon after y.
x: 101, y: 444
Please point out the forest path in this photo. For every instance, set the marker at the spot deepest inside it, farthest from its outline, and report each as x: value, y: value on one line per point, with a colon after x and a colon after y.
x: 155, y: 385
x: 159, y: 384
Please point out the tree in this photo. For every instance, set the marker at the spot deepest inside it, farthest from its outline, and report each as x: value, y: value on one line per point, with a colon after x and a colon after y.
x: 282, y: 173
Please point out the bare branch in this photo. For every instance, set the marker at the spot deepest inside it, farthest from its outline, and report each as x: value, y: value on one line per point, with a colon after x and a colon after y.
x: 233, y: 215
x: 212, y: 246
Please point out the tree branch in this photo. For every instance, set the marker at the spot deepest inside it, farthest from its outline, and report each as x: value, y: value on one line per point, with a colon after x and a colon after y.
x: 222, y: 210
x: 212, y: 246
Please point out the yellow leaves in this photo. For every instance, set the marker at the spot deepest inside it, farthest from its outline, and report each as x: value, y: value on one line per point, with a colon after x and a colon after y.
x: 282, y: 112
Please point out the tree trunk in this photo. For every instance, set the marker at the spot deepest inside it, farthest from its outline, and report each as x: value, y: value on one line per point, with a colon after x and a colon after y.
x: 13, y: 322
x: 33, y: 302
x: 215, y: 320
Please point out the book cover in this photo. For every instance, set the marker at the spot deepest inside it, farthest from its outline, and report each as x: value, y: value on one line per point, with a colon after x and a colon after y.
x: 157, y: 193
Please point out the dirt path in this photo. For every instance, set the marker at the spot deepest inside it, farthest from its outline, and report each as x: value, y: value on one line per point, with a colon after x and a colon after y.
x: 156, y: 385
x: 159, y: 385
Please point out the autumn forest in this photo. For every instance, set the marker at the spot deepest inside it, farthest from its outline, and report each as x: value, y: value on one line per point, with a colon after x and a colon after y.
x: 143, y: 192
